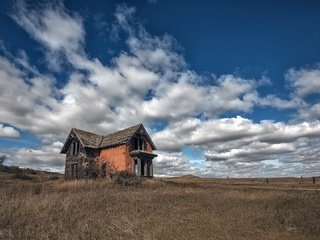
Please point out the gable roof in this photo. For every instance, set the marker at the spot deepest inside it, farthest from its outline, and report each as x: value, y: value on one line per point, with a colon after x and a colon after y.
x: 88, y: 139
x: 93, y: 140
x: 119, y: 137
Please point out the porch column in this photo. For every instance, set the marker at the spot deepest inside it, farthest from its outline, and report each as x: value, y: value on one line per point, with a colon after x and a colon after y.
x: 139, y: 166
x: 146, y: 168
x: 151, y: 169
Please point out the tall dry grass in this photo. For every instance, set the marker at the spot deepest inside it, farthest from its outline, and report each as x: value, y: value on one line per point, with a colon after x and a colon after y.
x: 158, y: 209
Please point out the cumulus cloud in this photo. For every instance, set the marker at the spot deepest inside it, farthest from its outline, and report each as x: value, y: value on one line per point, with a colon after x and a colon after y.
x: 239, y: 139
x: 310, y: 113
x: 44, y: 158
x: 276, y: 102
x: 7, y: 131
x: 229, y: 94
x: 304, y: 81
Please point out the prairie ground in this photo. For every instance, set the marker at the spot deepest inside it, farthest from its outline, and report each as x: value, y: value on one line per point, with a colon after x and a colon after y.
x: 166, y: 208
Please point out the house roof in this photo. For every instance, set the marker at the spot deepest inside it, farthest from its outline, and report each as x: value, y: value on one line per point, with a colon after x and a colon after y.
x: 119, y: 137
x: 93, y: 140
x: 88, y: 139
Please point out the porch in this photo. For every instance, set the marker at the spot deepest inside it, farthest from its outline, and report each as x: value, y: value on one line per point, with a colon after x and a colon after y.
x: 142, y: 164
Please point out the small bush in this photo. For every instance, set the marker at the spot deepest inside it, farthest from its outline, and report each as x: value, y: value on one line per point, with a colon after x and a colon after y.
x: 125, y: 174
x: 92, y: 175
x: 125, y: 178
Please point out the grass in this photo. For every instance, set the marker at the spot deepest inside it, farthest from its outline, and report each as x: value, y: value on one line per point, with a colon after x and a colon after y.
x: 173, y: 208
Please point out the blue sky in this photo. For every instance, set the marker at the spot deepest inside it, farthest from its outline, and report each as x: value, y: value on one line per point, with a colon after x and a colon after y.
x: 225, y: 88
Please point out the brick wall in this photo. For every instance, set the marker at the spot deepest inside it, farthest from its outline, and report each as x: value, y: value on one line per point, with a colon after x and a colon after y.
x: 117, y: 156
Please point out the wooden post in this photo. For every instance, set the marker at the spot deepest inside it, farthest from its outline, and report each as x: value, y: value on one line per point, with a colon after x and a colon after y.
x: 139, y: 166
x: 151, y: 169
x: 146, y: 168
x: 313, y: 180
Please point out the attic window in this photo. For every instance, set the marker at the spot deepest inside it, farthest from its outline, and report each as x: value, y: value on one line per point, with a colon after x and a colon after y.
x: 139, y: 144
x: 75, y: 148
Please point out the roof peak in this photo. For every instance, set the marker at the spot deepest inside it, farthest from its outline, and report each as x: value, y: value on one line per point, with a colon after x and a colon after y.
x: 105, y: 135
x: 125, y: 129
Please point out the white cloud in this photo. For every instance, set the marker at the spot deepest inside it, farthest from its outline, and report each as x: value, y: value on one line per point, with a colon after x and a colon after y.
x: 237, y: 139
x: 276, y: 102
x: 7, y: 131
x: 52, y: 25
x: 305, y: 86
x: 46, y: 157
x: 304, y: 81
x: 310, y: 113
x: 175, y: 164
x: 185, y: 98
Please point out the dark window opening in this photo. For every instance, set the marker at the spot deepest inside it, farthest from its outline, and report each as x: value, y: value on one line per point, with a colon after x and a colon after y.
x: 139, y: 144
x: 135, y: 143
x: 74, y: 170
x: 75, y: 148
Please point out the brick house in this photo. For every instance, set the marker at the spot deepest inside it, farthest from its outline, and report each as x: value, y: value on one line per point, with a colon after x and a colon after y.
x: 91, y: 155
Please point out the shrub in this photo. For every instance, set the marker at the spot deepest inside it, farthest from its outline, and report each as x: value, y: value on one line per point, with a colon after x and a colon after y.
x: 125, y: 174
x: 92, y: 175
x: 125, y: 178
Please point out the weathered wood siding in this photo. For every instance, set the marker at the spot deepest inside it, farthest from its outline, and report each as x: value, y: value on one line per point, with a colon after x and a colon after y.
x: 73, y: 159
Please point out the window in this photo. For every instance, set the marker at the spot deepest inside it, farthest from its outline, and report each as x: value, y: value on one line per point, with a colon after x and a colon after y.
x: 135, y: 143
x: 139, y: 144
x: 75, y: 148
x: 74, y: 170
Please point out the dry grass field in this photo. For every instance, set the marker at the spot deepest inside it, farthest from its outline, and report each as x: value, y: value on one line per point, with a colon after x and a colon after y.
x: 45, y: 207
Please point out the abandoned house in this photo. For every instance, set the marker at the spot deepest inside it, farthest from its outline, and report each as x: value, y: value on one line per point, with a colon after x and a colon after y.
x: 90, y: 155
